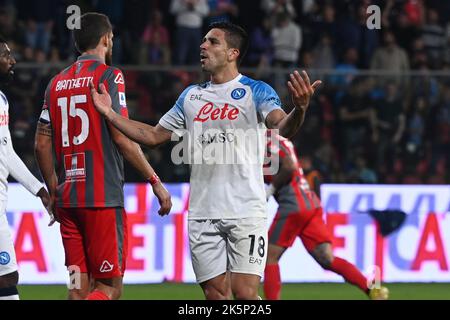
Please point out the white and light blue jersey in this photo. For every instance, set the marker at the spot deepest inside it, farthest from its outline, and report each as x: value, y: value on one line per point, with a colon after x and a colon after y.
x: 224, y: 124
x: 10, y: 163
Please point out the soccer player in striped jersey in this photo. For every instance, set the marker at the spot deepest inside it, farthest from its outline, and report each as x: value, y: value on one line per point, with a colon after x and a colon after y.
x: 300, y: 215
x: 87, y: 185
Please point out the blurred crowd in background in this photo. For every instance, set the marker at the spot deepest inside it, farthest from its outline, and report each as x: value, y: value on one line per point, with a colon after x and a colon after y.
x: 388, y: 125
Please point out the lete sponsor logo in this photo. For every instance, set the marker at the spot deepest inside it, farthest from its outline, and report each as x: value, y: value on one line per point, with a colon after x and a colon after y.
x: 208, y: 112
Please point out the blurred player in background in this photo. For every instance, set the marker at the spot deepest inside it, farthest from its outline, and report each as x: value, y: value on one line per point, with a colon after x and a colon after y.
x: 227, y: 207
x: 87, y: 186
x: 11, y: 164
x: 300, y: 215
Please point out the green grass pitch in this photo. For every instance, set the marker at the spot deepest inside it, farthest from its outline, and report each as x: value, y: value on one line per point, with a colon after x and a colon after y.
x: 290, y: 291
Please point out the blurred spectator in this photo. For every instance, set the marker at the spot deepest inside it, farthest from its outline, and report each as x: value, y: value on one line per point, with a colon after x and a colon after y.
x: 222, y: 10
x: 388, y: 127
x: 355, y: 118
x: 391, y: 57
x: 273, y: 8
x: 287, y: 40
x: 323, y: 53
x: 260, y: 49
x: 433, y: 36
x: 11, y: 28
x: 155, y: 41
x: 39, y: 17
x: 416, y: 126
x: 347, y: 67
x: 362, y: 173
x: 189, y: 21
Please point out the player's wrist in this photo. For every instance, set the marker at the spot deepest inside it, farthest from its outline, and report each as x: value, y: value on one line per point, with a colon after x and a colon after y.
x: 154, y: 179
x: 109, y: 114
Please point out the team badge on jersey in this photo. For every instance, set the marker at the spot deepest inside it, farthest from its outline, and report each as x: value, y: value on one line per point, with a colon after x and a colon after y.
x: 238, y: 93
x: 122, y: 100
x: 4, y: 258
x: 75, y: 165
x: 119, y: 79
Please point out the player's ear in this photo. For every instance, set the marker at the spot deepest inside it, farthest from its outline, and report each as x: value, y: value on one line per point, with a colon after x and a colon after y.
x: 233, y: 54
x: 104, y: 40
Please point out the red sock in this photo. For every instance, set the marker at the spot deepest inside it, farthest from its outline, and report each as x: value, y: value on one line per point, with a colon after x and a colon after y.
x: 97, y: 295
x: 272, y: 282
x: 349, y: 272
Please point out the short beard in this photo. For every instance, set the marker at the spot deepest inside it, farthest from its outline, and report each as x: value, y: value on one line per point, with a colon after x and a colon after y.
x: 108, y: 58
x: 6, y: 78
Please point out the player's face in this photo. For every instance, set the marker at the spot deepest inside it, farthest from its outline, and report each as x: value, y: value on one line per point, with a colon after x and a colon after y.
x: 7, y: 63
x: 214, y: 51
x: 108, y: 55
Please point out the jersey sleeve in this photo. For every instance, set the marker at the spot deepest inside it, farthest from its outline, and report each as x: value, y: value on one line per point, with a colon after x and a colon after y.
x: 19, y: 170
x: 114, y: 81
x: 174, y: 119
x: 266, y: 99
x: 45, y: 113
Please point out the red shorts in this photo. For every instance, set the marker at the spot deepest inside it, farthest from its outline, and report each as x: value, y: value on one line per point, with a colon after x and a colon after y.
x: 95, y: 240
x: 308, y: 225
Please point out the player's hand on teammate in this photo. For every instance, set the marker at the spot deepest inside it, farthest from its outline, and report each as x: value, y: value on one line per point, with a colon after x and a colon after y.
x: 301, y: 89
x: 102, y: 99
x: 49, y: 204
x: 163, y: 197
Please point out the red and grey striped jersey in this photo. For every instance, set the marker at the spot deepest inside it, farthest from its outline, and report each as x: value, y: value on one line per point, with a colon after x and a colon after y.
x: 88, y: 164
x: 296, y: 195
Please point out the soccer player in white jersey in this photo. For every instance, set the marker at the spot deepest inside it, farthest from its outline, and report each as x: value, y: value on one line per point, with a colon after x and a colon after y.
x: 227, y: 210
x: 11, y: 164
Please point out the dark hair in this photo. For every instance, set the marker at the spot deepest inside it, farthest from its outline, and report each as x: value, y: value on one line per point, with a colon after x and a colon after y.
x: 93, y: 26
x: 235, y: 36
x: 2, y: 40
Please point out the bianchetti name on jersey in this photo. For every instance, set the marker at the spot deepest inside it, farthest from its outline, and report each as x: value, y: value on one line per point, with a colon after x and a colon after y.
x: 73, y: 83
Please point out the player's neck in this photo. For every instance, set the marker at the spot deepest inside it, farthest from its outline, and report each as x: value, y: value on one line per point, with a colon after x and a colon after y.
x: 95, y: 52
x: 224, y: 76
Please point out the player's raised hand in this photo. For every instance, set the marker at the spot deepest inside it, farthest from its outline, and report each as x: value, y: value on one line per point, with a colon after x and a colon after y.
x: 163, y: 197
x: 301, y: 89
x: 102, y: 99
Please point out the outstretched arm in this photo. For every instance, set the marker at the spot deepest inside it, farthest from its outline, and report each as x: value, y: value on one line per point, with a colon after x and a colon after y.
x: 301, y: 92
x: 132, y: 152
x: 135, y: 130
x: 43, y: 150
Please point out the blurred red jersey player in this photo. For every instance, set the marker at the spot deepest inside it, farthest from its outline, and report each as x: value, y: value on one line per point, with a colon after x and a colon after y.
x: 87, y: 185
x: 300, y: 215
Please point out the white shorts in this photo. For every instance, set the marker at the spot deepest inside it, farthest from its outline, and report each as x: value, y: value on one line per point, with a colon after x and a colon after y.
x: 220, y: 245
x: 8, y: 261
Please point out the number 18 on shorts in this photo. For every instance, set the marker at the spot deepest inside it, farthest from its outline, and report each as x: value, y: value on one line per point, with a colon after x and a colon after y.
x: 220, y: 245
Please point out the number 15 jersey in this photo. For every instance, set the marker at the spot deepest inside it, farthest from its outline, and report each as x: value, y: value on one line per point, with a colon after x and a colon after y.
x: 88, y: 164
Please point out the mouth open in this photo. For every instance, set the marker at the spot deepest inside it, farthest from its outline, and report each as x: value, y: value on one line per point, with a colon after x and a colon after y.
x: 203, y: 57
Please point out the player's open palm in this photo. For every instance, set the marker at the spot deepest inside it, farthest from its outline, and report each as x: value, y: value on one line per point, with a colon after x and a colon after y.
x: 163, y: 197
x: 102, y: 99
x: 301, y: 89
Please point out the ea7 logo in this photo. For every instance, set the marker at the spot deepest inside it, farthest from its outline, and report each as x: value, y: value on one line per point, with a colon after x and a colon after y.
x: 119, y: 79
x: 106, y: 266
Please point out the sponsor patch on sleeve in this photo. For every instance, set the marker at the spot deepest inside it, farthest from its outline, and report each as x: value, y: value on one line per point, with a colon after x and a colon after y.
x: 122, y: 99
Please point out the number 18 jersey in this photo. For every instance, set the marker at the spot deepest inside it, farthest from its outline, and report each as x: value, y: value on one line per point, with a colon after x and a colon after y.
x: 88, y: 164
